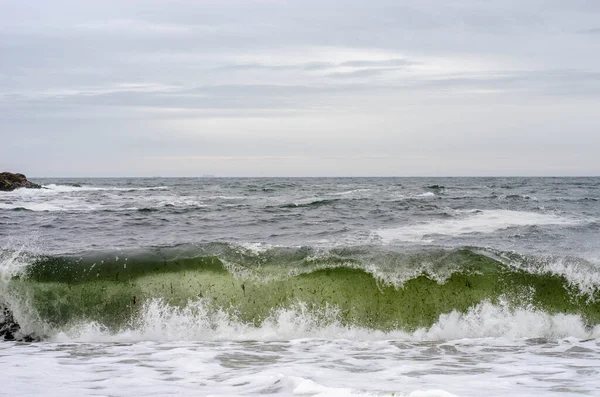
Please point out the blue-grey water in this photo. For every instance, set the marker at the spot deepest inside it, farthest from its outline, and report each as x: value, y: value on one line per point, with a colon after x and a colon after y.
x: 302, y: 286
x: 295, y: 211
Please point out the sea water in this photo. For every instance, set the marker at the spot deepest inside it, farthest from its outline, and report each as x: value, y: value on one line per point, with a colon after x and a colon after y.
x: 301, y: 287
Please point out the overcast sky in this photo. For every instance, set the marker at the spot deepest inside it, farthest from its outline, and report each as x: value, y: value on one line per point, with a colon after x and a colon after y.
x: 300, y: 88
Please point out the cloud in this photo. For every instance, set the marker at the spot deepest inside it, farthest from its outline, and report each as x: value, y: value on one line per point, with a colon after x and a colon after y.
x: 382, y: 79
x: 371, y: 72
x: 324, y: 94
x: 378, y: 63
x: 310, y: 66
x: 120, y: 26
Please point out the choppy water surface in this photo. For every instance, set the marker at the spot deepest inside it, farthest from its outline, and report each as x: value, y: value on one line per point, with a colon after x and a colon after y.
x: 315, y: 287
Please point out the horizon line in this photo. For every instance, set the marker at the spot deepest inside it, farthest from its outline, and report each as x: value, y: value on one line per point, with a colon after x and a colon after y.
x: 314, y: 176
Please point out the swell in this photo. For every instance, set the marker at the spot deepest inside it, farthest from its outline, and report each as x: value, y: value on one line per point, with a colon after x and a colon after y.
x: 368, y: 287
x: 314, y: 203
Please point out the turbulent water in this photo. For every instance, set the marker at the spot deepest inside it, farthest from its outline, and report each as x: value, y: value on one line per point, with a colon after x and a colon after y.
x: 312, y: 287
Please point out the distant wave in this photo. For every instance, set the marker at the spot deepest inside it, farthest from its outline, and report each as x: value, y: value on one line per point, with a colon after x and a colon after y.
x: 350, y: 192
x: 84, y: 204
x: 147, y: 209
x: 74, y: 188
x: 314, y: 203
x: 575, y: 199
x: 35, y: 207
x: 81, y: 188
x: 519, y: 197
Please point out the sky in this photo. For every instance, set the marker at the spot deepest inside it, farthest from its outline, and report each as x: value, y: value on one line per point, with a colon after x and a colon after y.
x: 300, y: 88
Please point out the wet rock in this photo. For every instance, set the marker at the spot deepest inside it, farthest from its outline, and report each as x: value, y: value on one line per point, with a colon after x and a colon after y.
x: 10, y: 181
x: 10, y: 330
x: 7, y: 325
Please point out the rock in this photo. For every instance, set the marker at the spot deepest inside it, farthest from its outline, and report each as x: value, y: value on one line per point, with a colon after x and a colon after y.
x: 10, y: 330
x: 10, y: 181
x: 7, y: 325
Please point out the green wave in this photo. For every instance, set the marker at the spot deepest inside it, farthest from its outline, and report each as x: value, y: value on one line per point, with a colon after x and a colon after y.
x: 371, y: 288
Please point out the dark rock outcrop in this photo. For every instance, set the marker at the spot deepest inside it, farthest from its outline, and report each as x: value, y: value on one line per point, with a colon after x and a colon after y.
x: 10, y: 181
x: 8, y: 327
x: 10, y: 330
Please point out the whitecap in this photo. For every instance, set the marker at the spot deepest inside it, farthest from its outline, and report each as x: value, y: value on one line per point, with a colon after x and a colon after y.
x: 473, y: 221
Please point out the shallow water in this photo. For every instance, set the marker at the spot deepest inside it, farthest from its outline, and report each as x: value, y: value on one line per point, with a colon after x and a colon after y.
x: 304, y: 367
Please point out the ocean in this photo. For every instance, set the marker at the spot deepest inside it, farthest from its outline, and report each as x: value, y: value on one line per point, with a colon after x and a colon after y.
x: 301, y: 287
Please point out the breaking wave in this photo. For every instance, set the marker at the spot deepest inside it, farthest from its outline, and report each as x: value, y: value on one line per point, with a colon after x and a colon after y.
x: 221, y: 290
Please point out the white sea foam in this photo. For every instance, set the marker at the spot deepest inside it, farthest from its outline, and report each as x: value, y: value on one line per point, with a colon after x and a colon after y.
x: 195, y: 351
x: 81, y: 206
x: 351, y: 192
x: 60, y: 198
x: 307, y: 387
x: 71, y: 200
x: 179, y: 202
x: 198, y: 321
x: 30, y: 207
x: 306, y: 367
x: 256, y: 248
x: 71, y: 188
x: 221, y: 197
x: 52, y: 189
x: 475, y: 221
x: 302, y: 368
x: 50, y: 206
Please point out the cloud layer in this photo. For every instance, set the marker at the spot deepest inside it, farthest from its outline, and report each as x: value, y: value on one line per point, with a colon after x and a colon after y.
x: 302, y: 88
